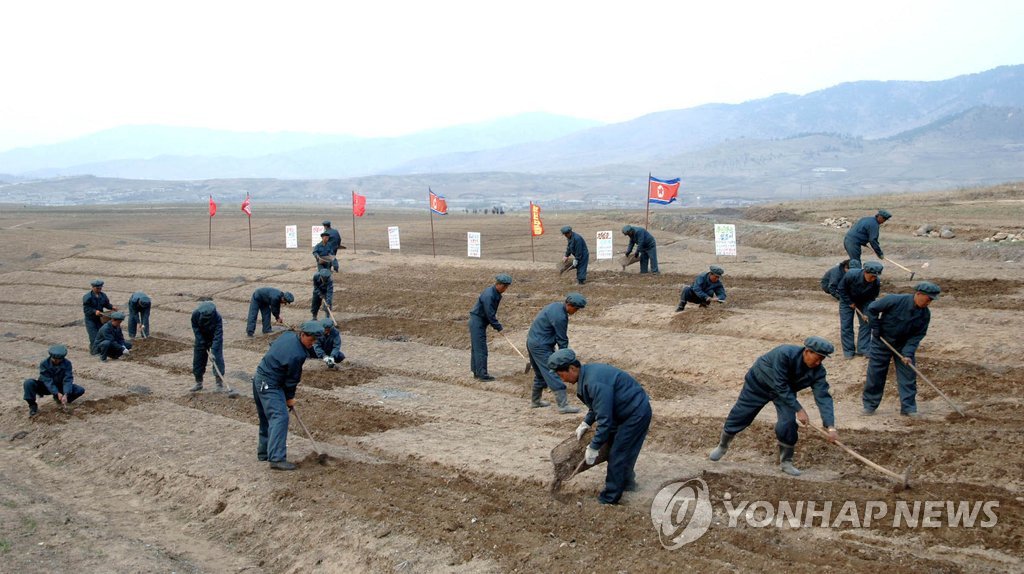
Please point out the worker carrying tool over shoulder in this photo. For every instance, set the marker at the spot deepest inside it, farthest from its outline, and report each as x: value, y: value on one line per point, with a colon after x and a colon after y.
x: 707, y: 287
x: 776, y: 377
x: 622, y: 411
x: 484, y: 313
x: 865, y: 232
x: 56, y: 377
x: 548, y: 332
x: 577, y: 248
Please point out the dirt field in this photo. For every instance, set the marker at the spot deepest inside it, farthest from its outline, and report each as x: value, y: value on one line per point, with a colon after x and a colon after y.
x: 431, y: 470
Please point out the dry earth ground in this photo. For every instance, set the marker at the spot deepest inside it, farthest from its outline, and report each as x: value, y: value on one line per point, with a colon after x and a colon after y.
x: 431, y: 470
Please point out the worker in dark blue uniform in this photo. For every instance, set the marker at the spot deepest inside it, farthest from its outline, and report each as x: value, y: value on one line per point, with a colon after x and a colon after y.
x: 484, y: 313
x: 323, y: 292
x: 776, y: 377
x: 902, y: 320
x: 830, y: 280
x: 327, y: 347
x: 548, y: 332
x: 208, y: 329
x: 266, y: 301
x: 273, y: 388
x: 857, y: 289
x: 323, y: 254
x: 334, y: 243
x: 646, y: 247
x: 93, y: 305
x: 622, y: 411
x: 56, y: 377
x: 577, y: 248
x: 707, y: 287
x: 110, y: 343
x: 865, y: 232
x: 138, y: 314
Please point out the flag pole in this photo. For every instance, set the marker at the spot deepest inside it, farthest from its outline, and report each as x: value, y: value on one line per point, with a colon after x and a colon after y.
x: 210, y: 246
x: 533, y: 256
x: 249, y: 218
x: 431, y: 210
x: 647, y: 200
x: 353, y: 221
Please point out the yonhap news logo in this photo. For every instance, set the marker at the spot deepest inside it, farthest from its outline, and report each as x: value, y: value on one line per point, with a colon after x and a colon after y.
x: 682, y: 512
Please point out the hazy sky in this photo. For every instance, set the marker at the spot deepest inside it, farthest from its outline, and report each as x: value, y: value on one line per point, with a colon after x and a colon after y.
x: 382, y: 67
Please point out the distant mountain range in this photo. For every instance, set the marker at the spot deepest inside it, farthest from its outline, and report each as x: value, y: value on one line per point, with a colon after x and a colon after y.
x: 859, y: 137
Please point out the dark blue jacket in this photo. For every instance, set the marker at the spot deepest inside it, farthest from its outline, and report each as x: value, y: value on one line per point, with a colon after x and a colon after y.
x: 612, y: 396
x: 703, y: 287
x: 830, y: 280
x: 334, y: 241
x: 643, y: 240
x: 56, y: 378
x: 92, y: 302
x: 550, y: 327
x: 577, y: 247
x: 327, y: 343
x: 782, y: 373
x: 896, y: 318
x: 865, y: 232
x: 321, y: 285
x: 487, y: 307
x: 208, y: 330
x: 322, y: 250
x: 282, y: 365
x: 853, y: 288
x: 269, y: 296
x: 108, y: 332
x: 139, y: 301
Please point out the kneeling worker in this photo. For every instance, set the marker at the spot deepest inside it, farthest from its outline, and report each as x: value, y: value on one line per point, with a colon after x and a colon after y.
x: 622, y: 411
x: 56, y: 377
x: 776, y: 377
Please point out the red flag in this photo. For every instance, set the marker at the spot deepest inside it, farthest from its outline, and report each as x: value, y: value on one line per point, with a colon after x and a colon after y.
x: 437, y: 203
x: 662, y: 191
x: 213, y: 207
x: 358, y: 204
x: 247, y: 206
x: 536, y: 224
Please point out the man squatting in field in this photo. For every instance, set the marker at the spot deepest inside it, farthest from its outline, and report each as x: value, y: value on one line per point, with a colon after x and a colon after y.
x: 56, y: 377
x: 705, y: 288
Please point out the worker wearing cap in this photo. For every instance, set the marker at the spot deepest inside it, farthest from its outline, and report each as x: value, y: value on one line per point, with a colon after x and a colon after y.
x: 56, y: 377
x: 707, y: 287
x: 548, y: 332
x: 334, y: 243
x: 830, y: 280
x: 138, y: 314
x: 93, y: 304
x: 865, y: 232
x: 266, y: 301
x: 902, y: 320
x: 323, y: 292
x: 622, y: 411
x: 327, y: 346
x: 646, y: 247
x: 857, y: 289
x: 110, y: 343
x: 577, y: 248
x: 776, y: 377
x: 323, y: 254
x: 484, y: 313
x: 273, y: 388
x: 208, y: 329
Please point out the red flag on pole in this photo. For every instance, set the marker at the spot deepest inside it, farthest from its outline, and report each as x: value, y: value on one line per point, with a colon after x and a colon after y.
x: 437, y: 203
x: 537, y: 224
x: 247, y: 206
x: 358, y: 204
x: 213, y: 207
x: 662, y: 191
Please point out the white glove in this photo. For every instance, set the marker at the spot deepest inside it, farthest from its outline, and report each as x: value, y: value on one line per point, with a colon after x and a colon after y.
x: 581, y: 430
x: 591, y: 456
x: 329, y: 361
x: 125, y: 350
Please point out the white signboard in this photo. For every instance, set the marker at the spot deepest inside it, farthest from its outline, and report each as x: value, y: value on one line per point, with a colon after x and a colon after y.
x: 291, y: 236
x: 393, y: 242
x: 604, y: 245
x: 317, y: 230
x: 473, y: 243
x: 725, y: 239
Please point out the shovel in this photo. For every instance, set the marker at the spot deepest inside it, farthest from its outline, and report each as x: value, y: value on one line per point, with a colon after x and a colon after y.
x: 569, y: 458
x: 321, y: 457
x: 566, y: 265
x: 903, y: 479
x: 509, y: 341
x: 901, y: 267
x: 232, y: 393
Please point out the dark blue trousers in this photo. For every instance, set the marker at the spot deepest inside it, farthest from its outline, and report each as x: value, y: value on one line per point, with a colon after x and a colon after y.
x: 319, y: 300
x: 852, y: 248
x: 846, y: 332
x: 92, y: 327
x: 200, y: 355
x: 136, y: 319
x: 626, y: 443
x: 649, y: 258
x: 256, y: 308
x: 34, y: 388
x: 111, y: 350
x: 753, y: 397
x: 581, y: 269
x: 542, y: 375
x: 878, y: 369
x: 272, y: 408
x: 478, y: 345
